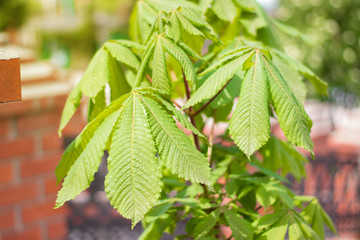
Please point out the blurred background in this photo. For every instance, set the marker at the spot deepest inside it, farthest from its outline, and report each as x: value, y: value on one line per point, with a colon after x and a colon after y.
x: 55, y: 40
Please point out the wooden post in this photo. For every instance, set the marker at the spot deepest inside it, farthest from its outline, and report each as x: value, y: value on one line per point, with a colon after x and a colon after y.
x: 10, y: 83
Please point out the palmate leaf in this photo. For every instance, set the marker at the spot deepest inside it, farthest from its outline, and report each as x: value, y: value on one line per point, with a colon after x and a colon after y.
x: 276, y: 225
x: 263, y: 84
x: 133, y: 183
x: 316, y: 216
x: 250, y: 124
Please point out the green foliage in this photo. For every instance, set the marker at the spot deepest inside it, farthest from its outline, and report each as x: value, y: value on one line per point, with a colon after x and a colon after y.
x: 150, y: 156
x: 13, y: 13
x: 332, y: 28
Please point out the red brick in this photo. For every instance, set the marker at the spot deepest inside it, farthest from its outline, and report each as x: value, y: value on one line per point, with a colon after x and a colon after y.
x: 52, y: 141
x: 31, y: 234
x: 57, y: 229
x: 4, y: 127
x: 6, y: 173
x: 7, y: 220
x: 17, y: 147
x: 50, y: 186
x: 41, y: 210
x: 16, y: 108
x: 40, y: 166
x: 56, y: 102
x: 18, y: 194
x: 38, y: 121
x: 75, y: 126
x: 59, y: 101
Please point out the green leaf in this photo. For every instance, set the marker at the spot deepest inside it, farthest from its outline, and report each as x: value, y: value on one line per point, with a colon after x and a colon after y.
x: 241, y: 229
x: 216, y: 81
x: 72, y: 103
x: 122, y: 54
x: 315, y: 215
x: 250, y: 124
x: 281, y: 192
x: 133, y: 183
x: 226, y: 58
x: 86, y: 165
x: 291, y: 114
x: 319, y: 84
x: 268, y: 220
x: 206, y: 224
x: 142, y: 17
x: 175, y: 30
x: 180, y: 56
x: 75, y: 149
x: 174, y: 147
x: 295, y: 232
x: 256, y: 164
x: 187, y: 25
x: 118, y: 83
x: 128, y: 44
x: 156, y: 228
x: 97, y: 74
x: 225, y: 10
x: 264, y: 198
x: 291, y: 31
x: 180, y: 117
x: 281, y: 155
x: 160, y: 75
x: 328, y: 221
x: 144, y: 64
x: 189, y: 51
x: 277, y: 230
x: 96, y: 105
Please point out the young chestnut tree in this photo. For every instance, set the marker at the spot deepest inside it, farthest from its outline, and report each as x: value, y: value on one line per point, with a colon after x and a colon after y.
x: 224, y: 59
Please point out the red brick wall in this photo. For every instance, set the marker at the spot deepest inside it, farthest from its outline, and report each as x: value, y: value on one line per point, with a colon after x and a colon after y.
x: 29, y: 152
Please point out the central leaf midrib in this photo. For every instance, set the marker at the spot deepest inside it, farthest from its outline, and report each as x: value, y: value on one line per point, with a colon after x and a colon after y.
x: 131, y: 157
x: 252, y: 100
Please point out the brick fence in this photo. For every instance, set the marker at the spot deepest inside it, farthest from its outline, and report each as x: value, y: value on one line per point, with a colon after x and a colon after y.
x: 29, y: 152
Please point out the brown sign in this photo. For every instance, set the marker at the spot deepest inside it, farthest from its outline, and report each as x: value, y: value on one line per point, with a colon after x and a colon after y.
x: 10, y: 84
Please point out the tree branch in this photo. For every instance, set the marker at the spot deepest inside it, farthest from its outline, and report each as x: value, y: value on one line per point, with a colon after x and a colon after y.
x: 149, y: 78
x: 193, y: 122
x: 208, y: 102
